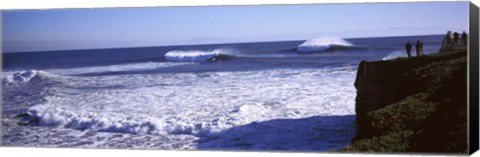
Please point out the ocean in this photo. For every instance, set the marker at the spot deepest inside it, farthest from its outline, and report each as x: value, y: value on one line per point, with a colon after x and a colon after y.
x: 272, y: 96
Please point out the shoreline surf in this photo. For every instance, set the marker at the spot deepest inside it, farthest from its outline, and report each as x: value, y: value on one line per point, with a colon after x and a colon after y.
x: 122, y: 96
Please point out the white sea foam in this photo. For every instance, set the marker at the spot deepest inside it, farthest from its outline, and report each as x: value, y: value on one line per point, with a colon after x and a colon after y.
x: 23, y: 77
x: 199, y: 106
x: 84, y: 119
x: 322, y: 44
x: 308, y: 92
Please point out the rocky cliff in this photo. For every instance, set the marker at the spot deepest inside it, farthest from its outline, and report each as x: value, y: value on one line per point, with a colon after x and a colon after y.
x: 416, y: 104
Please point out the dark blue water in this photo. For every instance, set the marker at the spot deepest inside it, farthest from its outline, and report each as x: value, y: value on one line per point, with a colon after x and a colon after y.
x: 261, y: 55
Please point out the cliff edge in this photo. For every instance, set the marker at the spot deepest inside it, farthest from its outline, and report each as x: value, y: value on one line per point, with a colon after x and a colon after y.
x: 412, y: 104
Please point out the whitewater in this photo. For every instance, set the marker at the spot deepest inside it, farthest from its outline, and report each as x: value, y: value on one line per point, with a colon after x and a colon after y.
x: 158, y: 104
x: 323, y: 43
x: 263, y: 96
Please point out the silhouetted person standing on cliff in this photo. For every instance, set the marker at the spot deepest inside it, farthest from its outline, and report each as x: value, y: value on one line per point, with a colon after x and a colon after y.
x: 408, y: 47
x: 419, y: 45
x: 419, y: 48
x: 455, y: 39
x: 464, y: 38
x: 447, y: 42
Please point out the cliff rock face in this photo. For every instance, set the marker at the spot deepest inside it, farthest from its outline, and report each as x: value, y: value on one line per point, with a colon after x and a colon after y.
x: 382, y: 83
x: 398, y: 102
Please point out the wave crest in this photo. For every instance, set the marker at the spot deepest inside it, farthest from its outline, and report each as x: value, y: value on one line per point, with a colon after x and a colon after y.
x: 48, y: 116
x: 197, y: 55
x: 323, y: 44
x: 24, y: 77
x: 45, y: 115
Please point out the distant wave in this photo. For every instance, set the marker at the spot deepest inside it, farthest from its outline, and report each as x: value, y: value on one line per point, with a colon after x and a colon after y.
x: 198, y: 56
x: 116, y: 68
x: 325, y: 43
x: 24, y: 77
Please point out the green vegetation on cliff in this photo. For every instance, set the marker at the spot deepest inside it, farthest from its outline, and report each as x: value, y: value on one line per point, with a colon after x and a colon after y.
x: 432, y: 119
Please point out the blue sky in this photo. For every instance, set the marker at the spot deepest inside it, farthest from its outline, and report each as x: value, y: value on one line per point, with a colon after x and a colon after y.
x: 36, y: 30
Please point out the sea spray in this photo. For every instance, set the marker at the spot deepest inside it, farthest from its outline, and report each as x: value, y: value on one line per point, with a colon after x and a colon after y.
x: 197, y: 55
x: 322, y: 44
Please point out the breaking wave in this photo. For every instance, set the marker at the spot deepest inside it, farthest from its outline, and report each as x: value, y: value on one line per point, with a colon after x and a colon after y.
x: 50, y: 116
x: 325, y: 43
x: 198, y: 55
x: 24, y: 77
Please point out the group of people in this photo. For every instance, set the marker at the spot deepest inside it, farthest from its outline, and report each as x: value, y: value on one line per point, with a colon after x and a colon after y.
x: 418, y: 48
x: 451, y: 41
